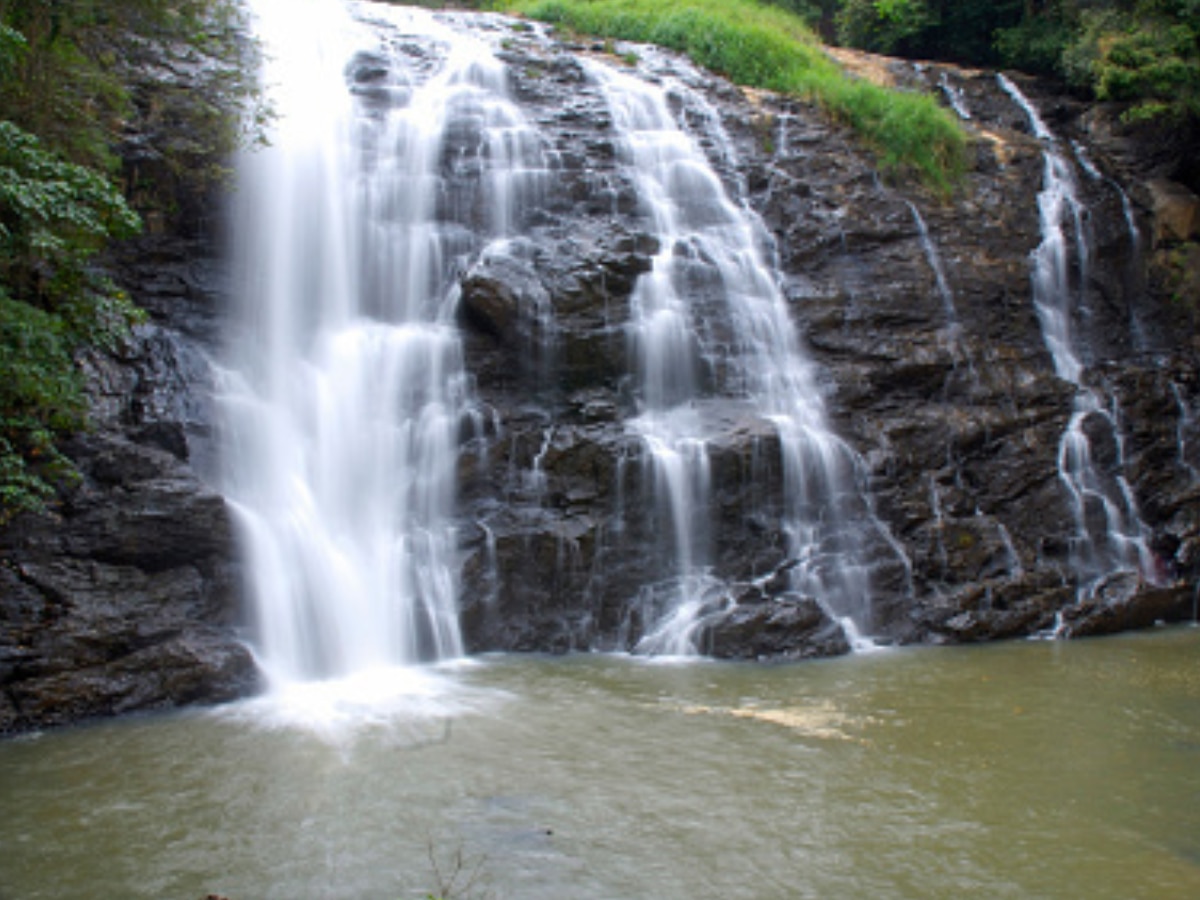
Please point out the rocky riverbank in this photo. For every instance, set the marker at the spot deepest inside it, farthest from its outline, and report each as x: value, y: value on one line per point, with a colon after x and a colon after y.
x: 127, y: 598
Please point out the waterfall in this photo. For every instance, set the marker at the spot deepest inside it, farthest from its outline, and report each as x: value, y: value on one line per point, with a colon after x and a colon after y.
x: 711, y: 275
x: 670, y: 174
x: 953, y: 331
x: 955, y: 97
x: 935, y: 263
x: 1109, y: 533
x: 397, y: 163
x: 344, y: 395
x: 1184, y: 424
x: 1135, y: 278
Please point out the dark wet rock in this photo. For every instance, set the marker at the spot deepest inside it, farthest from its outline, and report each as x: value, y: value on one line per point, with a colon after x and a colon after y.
x: 784, y: 628
x: 181, y: 670
x: 1124, y: 602
x: 127, y: 596
x: 952, y: 403
x: 949, y: 405
x: 503, y: 297
x: 127, y: 601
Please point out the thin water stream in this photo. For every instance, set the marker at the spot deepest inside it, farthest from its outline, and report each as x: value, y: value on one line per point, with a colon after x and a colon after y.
x: 1032, y: 769
x: 1110, y: 534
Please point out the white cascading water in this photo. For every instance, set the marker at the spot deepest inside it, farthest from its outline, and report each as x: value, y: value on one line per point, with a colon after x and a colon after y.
x: 1110, y: 535
x: 345, y: 394
x: 952, y: 334
x: 705, y: 237
x: 935, y: 263
x: 662, y: 160
x: 955, y: 97
x: 1186, y: 425
x: 1134, y: 278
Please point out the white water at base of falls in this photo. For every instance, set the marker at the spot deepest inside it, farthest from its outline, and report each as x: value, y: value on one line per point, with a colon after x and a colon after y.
x: 344, y: 395
x: 711, y: 254
x: 1109, y: 533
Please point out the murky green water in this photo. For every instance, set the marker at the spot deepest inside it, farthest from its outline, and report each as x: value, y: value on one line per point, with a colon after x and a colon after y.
x: 1021, y: 770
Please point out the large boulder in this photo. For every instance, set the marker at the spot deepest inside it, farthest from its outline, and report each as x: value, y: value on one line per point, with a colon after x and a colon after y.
x: 1124, y: 602
x: 1176, y: 211
x: 784, y: 628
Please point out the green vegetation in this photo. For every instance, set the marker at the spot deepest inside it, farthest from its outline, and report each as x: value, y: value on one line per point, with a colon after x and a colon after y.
x: 1144, y: 53
x: 54, y: 216
x: 69, y: 91
x: 769, y: 47
x: 1148, y: 57
x: 1141, y: 55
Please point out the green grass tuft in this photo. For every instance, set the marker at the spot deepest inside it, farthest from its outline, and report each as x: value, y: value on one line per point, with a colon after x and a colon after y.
x: 767, y: 47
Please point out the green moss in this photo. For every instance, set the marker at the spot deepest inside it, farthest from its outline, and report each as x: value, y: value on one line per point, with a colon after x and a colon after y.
x: 1177, y: 269
x: 764, y: 127
x: 768, y: 47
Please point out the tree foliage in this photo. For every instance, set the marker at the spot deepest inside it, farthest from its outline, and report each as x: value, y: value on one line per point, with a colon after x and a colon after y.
x: 68, y: 95
x: 1144, y: 53
x: 1148, y: 58
x: 41, y: 397
x: 54, y: 216
x: 885, y: 25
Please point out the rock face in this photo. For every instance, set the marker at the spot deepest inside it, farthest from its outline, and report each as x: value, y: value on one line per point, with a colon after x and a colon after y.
x: 127, y: 599
x: 944, y: 387
x: 939, y: 381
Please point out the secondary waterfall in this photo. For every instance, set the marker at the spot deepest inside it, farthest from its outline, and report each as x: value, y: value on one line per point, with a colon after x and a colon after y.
x: 345, y: 395
x: 1109, y: 533
x: 711, y: 270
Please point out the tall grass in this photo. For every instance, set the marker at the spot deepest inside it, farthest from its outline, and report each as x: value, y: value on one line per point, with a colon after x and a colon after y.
x: 767, y: 47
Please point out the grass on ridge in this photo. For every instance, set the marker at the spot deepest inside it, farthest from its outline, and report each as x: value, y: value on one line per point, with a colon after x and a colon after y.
x: 767, y: 47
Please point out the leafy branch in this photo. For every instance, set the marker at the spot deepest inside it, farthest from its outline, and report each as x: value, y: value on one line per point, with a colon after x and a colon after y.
x: 78, y: 80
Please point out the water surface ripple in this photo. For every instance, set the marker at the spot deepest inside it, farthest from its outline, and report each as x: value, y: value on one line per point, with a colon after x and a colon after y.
x: 1033, y: 769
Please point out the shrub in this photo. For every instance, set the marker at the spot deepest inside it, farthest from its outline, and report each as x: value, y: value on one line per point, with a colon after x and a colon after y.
x: 72, y: 79
x: 54, y: 216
